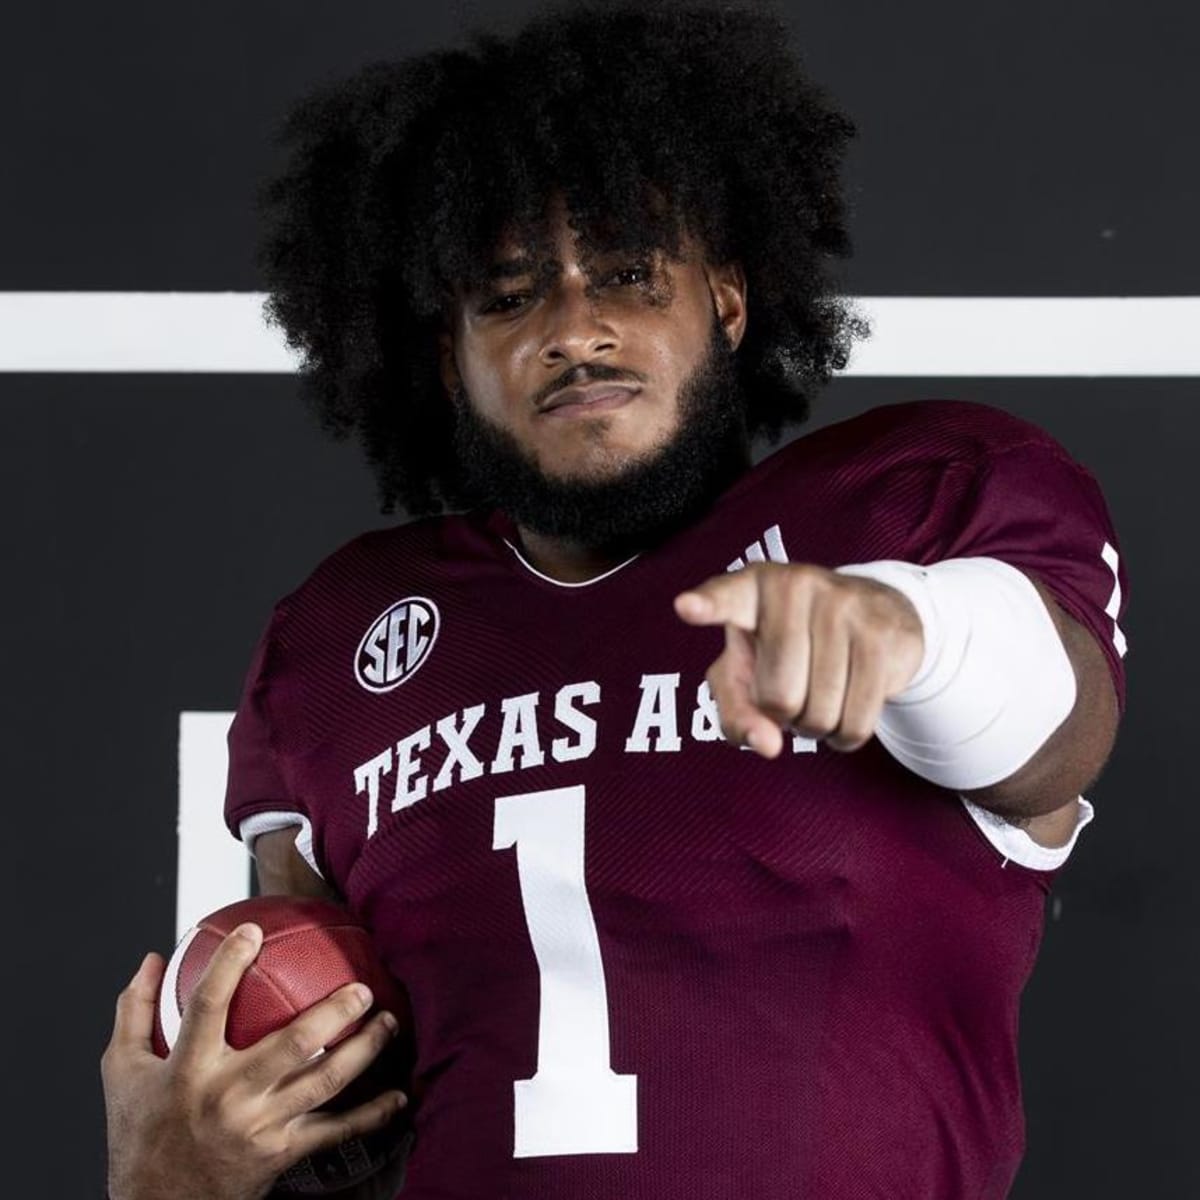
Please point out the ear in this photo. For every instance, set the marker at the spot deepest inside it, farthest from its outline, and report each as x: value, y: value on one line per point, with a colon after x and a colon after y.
x: 727, y: 284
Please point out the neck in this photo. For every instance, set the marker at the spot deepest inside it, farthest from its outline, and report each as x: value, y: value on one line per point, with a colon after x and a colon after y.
x: 567, y: 561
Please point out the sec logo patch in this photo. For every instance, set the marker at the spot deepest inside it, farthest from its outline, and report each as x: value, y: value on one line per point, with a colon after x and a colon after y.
x: 396, y: 644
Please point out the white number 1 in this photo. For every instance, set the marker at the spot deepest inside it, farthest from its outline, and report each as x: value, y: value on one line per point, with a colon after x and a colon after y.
x: 575, y: 1103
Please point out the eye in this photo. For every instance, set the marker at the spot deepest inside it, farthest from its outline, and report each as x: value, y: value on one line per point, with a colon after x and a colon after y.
x: 641, y: 269
x: 500, y: 303
x: 637, y: 273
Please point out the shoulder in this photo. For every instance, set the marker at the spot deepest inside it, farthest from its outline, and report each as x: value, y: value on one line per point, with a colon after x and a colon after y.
x: 915, y: 433
x: 918, y: 479
x: 413, y: 541
x: 377, y: 564
x: 412, y: 546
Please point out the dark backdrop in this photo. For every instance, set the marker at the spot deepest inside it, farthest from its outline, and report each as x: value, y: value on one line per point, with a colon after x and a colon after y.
x: 153, y: 519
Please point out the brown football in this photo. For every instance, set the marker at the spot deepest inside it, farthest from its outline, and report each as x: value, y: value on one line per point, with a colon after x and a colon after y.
x: 310, y: 949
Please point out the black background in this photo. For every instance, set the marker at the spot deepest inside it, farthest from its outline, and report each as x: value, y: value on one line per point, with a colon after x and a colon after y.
x: 1017, y: 150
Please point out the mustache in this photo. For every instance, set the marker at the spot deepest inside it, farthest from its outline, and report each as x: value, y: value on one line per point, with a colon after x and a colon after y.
x: 582, y: 374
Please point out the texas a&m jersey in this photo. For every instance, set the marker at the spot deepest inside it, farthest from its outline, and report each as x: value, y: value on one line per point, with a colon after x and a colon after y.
x: 643, y: 962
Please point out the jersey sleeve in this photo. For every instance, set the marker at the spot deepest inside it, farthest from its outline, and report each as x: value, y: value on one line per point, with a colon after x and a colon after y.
x: 1033, y: 506
x: 1008, y: 490
x: 257, y: 795
x: 1015, y: 844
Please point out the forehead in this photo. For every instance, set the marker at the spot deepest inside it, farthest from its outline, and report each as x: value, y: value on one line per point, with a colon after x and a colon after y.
x: 554, y: 231
x: 542, y: 243
x: 514, y: 256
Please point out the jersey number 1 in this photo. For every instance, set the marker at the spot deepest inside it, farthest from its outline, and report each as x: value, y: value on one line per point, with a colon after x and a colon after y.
x: 575, y: 1103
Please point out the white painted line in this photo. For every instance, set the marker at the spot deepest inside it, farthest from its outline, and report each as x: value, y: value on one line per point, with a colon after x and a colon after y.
x: 139, y: 331
x: 214, y: 868
x: 914, y: 336
x: 1030, y: 336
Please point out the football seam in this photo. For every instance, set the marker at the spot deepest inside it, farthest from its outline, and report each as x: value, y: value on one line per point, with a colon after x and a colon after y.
x: 282, y: 935
x: 285, y: 1000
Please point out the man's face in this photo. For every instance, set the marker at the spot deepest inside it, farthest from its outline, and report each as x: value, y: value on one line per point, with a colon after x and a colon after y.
x: 661, y: 333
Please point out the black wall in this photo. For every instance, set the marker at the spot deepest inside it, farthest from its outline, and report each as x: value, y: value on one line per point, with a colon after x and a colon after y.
x: 151, y: 520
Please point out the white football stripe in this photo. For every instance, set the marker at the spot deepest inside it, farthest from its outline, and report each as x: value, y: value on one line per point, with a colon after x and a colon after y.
x: 914, y: 336
x: 170, y: 1015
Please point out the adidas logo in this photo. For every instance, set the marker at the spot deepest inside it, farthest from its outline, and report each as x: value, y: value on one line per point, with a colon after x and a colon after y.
x: 768, y: 548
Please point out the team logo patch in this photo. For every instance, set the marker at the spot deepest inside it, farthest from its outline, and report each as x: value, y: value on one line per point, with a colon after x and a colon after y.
x: 397, y: 643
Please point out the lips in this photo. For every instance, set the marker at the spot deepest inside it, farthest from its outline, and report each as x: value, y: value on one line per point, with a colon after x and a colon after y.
x: 589, y: 395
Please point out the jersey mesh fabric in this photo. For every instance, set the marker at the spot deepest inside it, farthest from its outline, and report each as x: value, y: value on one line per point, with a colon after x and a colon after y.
x: 811, y: 965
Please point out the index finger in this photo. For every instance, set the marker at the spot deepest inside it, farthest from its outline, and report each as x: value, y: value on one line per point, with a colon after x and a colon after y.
x: 203, y: 1024
x: 134, y: 1022
x: 730, y: 599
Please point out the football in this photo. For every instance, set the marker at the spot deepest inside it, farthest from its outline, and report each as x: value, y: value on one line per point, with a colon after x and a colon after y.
x: 310, y: 948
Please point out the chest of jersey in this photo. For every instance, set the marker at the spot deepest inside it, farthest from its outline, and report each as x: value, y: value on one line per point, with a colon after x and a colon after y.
x: 447, y: 684
x: 599, y: 906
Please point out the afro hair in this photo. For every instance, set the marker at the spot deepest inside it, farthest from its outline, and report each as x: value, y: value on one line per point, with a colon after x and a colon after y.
x: 650, y: 119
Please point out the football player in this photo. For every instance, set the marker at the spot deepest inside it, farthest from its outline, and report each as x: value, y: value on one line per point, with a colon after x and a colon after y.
x: 706, y: 808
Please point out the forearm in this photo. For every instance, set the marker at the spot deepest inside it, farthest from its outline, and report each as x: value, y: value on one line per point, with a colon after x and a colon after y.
x: 1013, y: 705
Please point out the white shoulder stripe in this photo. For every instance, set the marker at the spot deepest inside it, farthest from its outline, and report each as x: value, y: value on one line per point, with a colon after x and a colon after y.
x: 754, y: 553
x: 774, y: 540
x: 1109, y: 554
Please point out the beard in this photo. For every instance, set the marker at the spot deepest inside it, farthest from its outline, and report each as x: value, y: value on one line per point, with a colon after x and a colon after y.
x: 648, y: 498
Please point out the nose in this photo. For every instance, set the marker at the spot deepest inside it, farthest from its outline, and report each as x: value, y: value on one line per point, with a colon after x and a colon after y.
x: 576, y: 328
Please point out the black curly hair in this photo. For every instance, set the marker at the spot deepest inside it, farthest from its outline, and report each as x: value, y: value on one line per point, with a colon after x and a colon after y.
x: 650, y: 118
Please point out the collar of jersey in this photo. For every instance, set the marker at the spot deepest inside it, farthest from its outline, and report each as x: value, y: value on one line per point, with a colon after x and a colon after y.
x: 582, y: 583
x: 500, y: 525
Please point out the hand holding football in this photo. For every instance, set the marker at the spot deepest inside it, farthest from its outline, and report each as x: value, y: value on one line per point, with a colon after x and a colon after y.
x: 236, y: 1107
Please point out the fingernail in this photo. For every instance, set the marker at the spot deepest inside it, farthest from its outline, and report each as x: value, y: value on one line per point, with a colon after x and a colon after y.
x: 251, y: 932
x: 362, y: 994
x: 390, y: 1023
x: 752, y: 740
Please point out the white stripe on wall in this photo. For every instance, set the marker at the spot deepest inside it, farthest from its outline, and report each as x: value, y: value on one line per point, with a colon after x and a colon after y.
x: 1040, y: 336
x: 915, y: 336
x: 214, y: 868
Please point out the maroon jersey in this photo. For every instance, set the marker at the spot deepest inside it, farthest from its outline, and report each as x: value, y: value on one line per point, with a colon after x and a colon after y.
x: 644, y: 962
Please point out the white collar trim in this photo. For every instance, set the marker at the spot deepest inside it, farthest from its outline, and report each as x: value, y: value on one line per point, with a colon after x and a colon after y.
x: 562, y: 583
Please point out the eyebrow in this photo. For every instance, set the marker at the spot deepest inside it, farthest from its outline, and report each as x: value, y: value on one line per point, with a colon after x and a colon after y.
x: 510, y: 268
x: 514, y: 268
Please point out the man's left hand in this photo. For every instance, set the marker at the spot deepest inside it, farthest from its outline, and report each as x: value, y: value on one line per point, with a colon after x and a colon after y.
x: 806, y: 650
